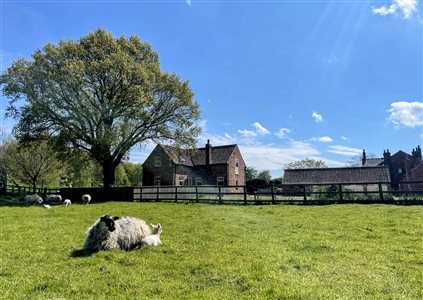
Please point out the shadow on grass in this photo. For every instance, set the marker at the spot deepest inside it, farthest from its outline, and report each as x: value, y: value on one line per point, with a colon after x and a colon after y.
x: 82, y: 253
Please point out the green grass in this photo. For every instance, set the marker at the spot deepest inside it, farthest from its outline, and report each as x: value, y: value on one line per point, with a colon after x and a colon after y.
x: 217, y: 252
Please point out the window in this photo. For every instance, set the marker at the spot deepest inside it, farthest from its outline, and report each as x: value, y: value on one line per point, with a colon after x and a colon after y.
x: 236, y: 166
x: 156, y: 180
x: 181, y: 180
x: 198, y: 181
x: 188, y: 181
x: 157, y: 161
x: 220, y: 180
x: 399, y: 171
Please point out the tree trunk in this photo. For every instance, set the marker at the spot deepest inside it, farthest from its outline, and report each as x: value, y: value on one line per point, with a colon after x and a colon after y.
x: 108, y: 174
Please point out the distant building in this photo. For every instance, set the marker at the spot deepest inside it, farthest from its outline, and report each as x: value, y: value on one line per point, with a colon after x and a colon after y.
x: 357, y: 178
x: 221, y: 166
x: 402, y: 166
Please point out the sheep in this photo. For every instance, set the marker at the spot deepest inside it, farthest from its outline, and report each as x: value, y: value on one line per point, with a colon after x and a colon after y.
x: 154, y: 238
x: 53, y: 199
x: 111, y: 232
x: 33, y: 199
x: 46, y: 206
x: 86, y: 198
x: 67, y: 202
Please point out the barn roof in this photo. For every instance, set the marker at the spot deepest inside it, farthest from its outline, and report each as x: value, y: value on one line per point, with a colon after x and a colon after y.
x: 337, y: 175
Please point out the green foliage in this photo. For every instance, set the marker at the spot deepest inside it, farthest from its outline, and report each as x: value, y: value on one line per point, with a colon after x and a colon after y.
x: 101, y: 95
x: 34, y: 164
x: 307, y: 163
x: 250, y: 173
x: 83, y: 171
x: 217, y: 252
x: 265, y: 175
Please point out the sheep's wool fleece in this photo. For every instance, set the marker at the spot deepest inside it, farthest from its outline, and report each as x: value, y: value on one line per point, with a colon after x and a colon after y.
x: 132, y: 231
x: 128, y: 234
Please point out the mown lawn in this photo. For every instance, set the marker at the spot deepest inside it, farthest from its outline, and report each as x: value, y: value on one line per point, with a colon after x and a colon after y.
x: 217, y: 252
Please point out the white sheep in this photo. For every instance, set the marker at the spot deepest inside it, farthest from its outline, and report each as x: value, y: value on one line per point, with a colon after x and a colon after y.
x: 154, y: 238
x: 46, y: 206
x: 53, y: 199
x: 33, y: 199
x: 67, y: 202
x: 86, y: 198
x: 113, y: 233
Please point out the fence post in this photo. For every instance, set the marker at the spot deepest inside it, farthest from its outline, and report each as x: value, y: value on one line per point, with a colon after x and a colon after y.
x: 196, y: 193
x: 176, y: 193
x: 273, y: 194
x: 220, y: 194
x: 245, y: 195
x: 341, y: 198
x: 305, y: 195
x: 157, y: 195
x: 141, y: 193
x: 380, y: 191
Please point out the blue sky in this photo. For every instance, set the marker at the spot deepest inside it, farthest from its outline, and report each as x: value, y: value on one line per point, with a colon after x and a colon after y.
x: 285, y: 80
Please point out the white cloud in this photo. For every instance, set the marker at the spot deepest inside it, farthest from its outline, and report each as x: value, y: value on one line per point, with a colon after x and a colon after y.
x: 344, y: 138
x: 317, y: 117
x: 344, y: 150
x: 188, y: 2
x: 282, y: 132
x: 323, y: 139
x: 247, y: 133
x: 406, y: 7
x: 408, y: 114
x: 260, y: 129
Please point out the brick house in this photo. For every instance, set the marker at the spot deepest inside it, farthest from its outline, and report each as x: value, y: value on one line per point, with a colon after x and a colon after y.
x: 222, y: 165
x: 402, y: 166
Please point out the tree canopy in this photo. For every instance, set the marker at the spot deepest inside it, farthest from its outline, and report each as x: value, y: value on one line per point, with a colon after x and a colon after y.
x: 307, y: 163
x: 99, y: 94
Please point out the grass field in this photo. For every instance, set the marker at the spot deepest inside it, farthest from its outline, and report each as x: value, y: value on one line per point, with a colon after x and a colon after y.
x: 217, y: 252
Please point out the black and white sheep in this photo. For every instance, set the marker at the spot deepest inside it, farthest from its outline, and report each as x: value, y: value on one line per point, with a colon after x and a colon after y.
x: 114, y: 233
x: 86, y: 198
x: 154, y: 238
x: 33, y: 199
x: 53, y: 199
x: 67, y: 202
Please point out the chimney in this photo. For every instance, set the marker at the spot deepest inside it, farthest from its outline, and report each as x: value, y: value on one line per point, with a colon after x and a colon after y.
x: 208, y: 152
x: 363, y: 158
x: 419, y: 151
x: 386, y: 158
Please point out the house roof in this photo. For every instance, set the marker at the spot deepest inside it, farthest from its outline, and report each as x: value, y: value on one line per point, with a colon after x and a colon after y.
x: 373, y: 162
x: 337, y: 175
x: 197, y: 157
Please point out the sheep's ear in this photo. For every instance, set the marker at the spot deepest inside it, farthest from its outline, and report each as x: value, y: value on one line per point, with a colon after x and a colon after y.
x: 115, y: 218
x: 158, y: 225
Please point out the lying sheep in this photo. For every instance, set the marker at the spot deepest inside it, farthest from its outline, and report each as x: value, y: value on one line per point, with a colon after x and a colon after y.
x: 86, y: 198
x: 154, y: 238
x: 46, y: 206
x: 33, y: 199
x: 67, y: 202
x: 113, y: 233
x: 53, y: 199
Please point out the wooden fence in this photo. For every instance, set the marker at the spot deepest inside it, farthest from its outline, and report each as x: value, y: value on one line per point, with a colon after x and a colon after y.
x: 410, y: 192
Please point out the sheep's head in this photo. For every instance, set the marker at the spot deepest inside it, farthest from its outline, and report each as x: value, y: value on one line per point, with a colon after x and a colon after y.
x: 109, y: 221
x: 157, y: 229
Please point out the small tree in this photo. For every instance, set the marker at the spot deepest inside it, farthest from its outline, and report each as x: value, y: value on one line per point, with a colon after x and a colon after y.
x: 34, y: 164
x: 307, y: 163
x: 250, y: 173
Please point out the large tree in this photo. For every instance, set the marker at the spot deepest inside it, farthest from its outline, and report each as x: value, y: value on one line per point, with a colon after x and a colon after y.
x: 102, y: 95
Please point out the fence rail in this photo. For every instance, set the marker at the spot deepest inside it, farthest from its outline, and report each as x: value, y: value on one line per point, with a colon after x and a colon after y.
x: 410, y: 192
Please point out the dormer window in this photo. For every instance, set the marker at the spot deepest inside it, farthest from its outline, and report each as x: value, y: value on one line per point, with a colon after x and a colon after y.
x: 157, y: 161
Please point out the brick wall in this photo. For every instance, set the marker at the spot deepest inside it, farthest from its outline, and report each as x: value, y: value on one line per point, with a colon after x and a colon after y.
x: 166, y: 171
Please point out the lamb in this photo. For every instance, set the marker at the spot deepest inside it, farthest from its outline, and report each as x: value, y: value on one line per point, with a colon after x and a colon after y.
x: 33, y: 199
x: 67, y: 202
x: 53, y: 199
x: 111, y: 232
x: 154, y: 238
x: 46, y: 206
x: 86, y: 198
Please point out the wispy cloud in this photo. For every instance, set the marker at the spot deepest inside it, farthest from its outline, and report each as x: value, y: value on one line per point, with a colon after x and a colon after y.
x: 260, y: 129
x: 406, y: 7
x: 188, y: 2
x: 344, y: 150
x: 323, y: 139
x: 318, y: 118
x: 344, y: 138
x: 282, y: 132
x: 408, y: 114
x: 247, y: 133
